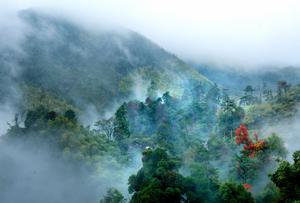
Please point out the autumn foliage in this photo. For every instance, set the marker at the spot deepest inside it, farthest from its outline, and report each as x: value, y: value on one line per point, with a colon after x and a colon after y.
x: 242, y: 137
x: 247, y: 187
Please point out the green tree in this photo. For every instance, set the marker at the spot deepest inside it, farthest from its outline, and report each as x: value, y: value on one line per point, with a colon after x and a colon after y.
x: 36, y: 117
x: 121, y: 130
x: 287, y: 177
x: 245, y: 168
x: 235, y: 193
x: 229, y: 117
x: 158, y: 180
x: 71, y: 115
x: 202, y: 185
x: 282, y: 87
x: 249, y: 90
x: 113, y: 196
x: 267, y: 93
x: 164, y: 136
x: 248, y: 98
x: 270, y: 194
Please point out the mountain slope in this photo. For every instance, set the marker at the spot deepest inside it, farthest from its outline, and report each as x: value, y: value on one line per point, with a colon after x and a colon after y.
x: 97, y: 68
x: 236, y: 80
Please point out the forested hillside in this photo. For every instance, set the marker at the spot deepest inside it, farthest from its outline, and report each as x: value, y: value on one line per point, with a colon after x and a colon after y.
x: 171, y: 134
x: 229, y: 77
x: 92, y: 68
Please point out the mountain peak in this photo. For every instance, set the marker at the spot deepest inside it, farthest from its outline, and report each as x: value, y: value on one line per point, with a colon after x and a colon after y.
x: 97, y: 68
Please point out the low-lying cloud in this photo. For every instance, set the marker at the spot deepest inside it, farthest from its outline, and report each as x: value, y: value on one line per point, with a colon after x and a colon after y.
x: 288, y: 130
x: 30, y: 174
x: 233, y: 33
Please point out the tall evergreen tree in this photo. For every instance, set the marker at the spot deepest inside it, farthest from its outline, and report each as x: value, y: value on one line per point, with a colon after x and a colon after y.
x: 121, y: 123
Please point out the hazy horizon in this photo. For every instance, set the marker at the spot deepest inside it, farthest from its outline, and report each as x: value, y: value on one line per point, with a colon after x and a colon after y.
x: 249, y: 35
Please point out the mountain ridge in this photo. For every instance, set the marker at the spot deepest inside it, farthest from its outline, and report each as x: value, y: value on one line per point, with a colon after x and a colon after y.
x: 85, y: 68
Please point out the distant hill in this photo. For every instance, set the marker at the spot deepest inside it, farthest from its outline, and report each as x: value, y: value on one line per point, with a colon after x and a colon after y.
x: 236, y: 80
x: 85, y: 68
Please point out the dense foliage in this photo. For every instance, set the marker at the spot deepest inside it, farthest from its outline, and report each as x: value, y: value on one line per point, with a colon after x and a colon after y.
x: 178, y: 166
x: 199, y: 142
x: 287, y: 177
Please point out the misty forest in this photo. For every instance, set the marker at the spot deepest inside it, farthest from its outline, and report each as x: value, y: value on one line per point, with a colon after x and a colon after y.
x: 108, y: 116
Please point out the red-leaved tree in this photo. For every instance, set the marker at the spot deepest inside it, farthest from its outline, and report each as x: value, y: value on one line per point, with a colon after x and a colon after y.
x: 250, y: 146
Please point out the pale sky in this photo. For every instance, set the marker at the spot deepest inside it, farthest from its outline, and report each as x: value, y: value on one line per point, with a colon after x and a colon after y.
x: 250, y: 34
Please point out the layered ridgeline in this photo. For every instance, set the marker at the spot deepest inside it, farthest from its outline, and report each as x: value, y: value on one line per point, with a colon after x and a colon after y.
x: 235, y: 80
x: 60, y: 59
x: 58, y: 71
x: 173, y: 137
